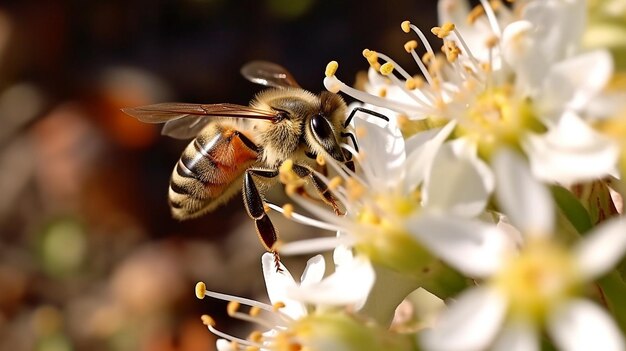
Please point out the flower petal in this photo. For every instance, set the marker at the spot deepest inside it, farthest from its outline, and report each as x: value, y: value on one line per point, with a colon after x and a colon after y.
x: 343, y: 253
x: 526, y: 202
x: 420, y: 160
x: 314, y: 270
x: 349, y: 285
x: 470, y: 323
x: 517, y: 336
x: 572, y: 83
x: 581, y: 325
x: 277, y: 283
x: 459, y: 183
x: 600, y: 250
x: 571, y: 152
x: 559, y: 26
x: 382, y: 152
x: 475, y: 248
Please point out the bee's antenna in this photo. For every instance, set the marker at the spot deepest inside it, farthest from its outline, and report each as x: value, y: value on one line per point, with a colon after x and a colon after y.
x: 364, y: 110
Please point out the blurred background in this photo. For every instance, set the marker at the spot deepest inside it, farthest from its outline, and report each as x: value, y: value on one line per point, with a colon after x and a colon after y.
x: 90, y: 258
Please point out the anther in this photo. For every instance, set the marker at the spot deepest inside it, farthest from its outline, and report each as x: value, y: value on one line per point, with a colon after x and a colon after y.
x: 207, y: 320
x: 331, y: 68
x: 355, y: 189
x: 256, y: 336
x: 427, y: 57
x: 372, y: 58
x: 286, y: 174
x: 382, y: 92
x: 334, y: 183
x: 266, y: 208
x: 288, y: 210
x: 444, y: 30
x: 386, y: 68
x: 200, y: 290
x: 254, y: 311
x: 278, y: 305
x: 475, y: 14
x: 410, y: 84
x: 492, y: 42
x: 406, y: 26
x: 320, y: 160
x: 410, y: 45
x: 232, y: 308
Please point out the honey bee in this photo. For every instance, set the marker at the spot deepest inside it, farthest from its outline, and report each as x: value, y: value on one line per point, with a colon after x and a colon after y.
x: 237, y: 146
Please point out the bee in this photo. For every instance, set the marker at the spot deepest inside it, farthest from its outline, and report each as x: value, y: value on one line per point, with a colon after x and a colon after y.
x: 236, y: 146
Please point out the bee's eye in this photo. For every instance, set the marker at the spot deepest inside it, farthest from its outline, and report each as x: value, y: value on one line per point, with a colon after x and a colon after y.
x: 320, y: 127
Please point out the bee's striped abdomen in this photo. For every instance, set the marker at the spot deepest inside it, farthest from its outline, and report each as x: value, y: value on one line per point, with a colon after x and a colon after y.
x: 209, y: 170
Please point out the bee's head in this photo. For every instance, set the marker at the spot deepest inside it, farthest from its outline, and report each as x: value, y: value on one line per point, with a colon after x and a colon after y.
x: 323, y: 128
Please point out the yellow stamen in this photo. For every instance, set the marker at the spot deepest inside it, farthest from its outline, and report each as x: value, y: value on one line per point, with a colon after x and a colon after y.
x: 443, y: 31
x: 320, y: 160
x: 427, y: 57
x: 492, y: 42
x: 451, y: 50
x: 372, y: 58
x: 251, y: 348
x: 207, y: 320
x: 232, y: 307
x: 495, y: 4
x: 254, y: 311
x: 477, y: 12
x: 406, y: 26
x: 410, y: 45
x: 419, y: 81
x: 256, y: 336
x: 200, y: 290
x: 410, y: 84
x: 334, y: 183
x: 355, y: 189
x: 331, y: 68
x: 266, y: 208
x: 382, y: 92
x: 288, y: 210
x: 286, y: 173
x: 386, y: 68
x: 278, y: 305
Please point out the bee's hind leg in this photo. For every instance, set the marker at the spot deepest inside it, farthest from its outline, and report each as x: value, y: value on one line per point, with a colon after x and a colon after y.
x: 255, y: 206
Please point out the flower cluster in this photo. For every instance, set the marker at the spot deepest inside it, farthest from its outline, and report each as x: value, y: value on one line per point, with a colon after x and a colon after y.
x: 485, y: 214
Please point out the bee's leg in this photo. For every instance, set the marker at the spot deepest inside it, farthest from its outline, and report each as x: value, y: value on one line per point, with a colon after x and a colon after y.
x: 255, y: 206
x: 364, y: 110
x: 347, y: 154
x: 320, y: 186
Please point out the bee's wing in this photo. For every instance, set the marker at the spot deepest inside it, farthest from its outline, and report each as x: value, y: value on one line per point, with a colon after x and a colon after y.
x: 268, y: 74
x: 184, y: 121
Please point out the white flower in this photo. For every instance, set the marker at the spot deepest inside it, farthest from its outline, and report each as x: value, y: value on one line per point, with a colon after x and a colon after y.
x: 538, y: 286
x: 297, y: 319
x: 512, y: 81
x: 402, y: 192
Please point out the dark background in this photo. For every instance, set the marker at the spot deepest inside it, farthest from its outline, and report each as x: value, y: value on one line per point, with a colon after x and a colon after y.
x: 89, y: 256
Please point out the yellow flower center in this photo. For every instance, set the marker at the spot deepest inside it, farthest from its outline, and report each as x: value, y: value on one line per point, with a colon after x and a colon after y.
x: 542, y: 275
x: 384, y: 237
x: 496, y: 118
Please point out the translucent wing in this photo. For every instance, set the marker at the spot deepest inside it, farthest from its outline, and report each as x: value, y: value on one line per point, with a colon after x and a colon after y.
x: 268, y: 74
x: 184, y: 120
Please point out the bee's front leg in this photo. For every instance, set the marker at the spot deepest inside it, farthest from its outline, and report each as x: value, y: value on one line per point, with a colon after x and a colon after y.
x: 320, y: 186
x: 255, y: 206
